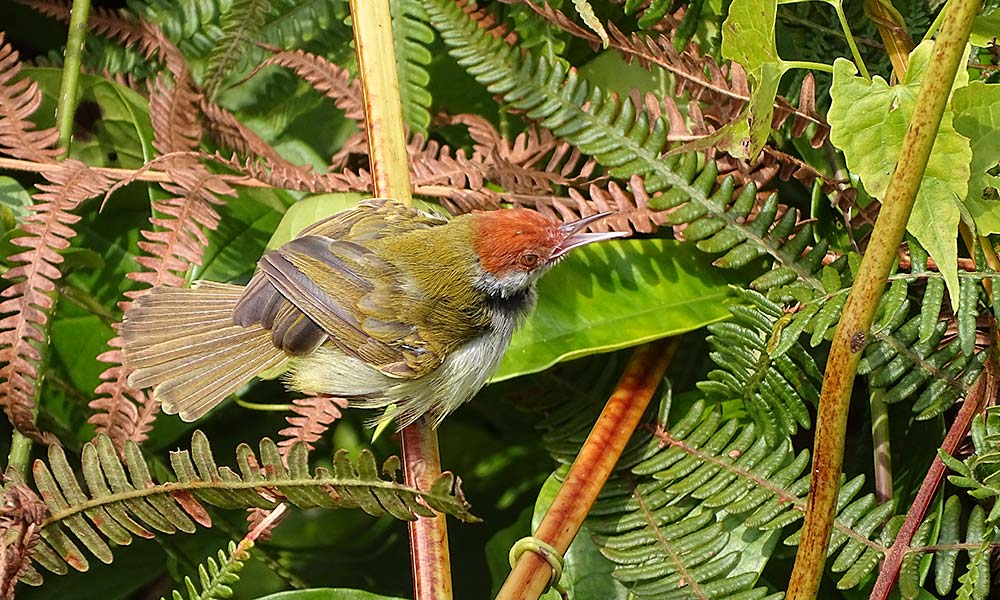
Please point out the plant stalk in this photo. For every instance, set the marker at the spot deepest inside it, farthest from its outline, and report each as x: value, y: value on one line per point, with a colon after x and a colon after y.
x: 372, y: 21
x: 20, y: 444
x: 68, y: 87
x: 853, y: 330
x: 592, y: 467
x: 985, y: 387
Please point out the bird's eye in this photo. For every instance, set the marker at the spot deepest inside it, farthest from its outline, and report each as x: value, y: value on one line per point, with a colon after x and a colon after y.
x: 528, y: 260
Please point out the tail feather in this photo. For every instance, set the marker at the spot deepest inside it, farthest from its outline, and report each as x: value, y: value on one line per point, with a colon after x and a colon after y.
x: 183, y: 343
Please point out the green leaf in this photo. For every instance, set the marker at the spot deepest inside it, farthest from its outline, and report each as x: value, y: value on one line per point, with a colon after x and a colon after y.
x: 112, y: 126
x: 985, y: 28
x: 748, y: 38
x: 307, y: 211
x: 868, y: 120
x: 246, y: 225
x: 977, y: 117
x: 614, y: 295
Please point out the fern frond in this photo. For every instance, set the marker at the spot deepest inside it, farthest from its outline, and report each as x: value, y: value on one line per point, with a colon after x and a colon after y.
x: 143, y: 36
x: 777, y: 389
x: 228, y: 132
x: 177, y: 242
x: 722, y: 91
x: 19, y: 99
x: 21, y: 515
x: 326, y: 77
x: 195, y: 30
x: 411, y: 39
x: 241, y: 25
x: 215, y: 577
x: 631, y: 206
x: 627, y: 141
x: 313, y: 416
x: 667, y: 529
x: 121, y: 500
x: 291, y: 22
x: 945, y: 542
x: 30, y: 298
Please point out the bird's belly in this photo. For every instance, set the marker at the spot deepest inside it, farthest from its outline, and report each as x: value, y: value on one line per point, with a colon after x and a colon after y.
x: 462, y: 373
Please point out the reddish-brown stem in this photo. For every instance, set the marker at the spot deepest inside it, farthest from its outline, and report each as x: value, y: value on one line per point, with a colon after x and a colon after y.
x: 593, y: 465
x: 889, y: 572
x: 391, y: 179
x: 429, y: 556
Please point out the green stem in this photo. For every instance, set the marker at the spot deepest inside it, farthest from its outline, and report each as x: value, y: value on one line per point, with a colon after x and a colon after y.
x: 935, y: 25
x: 262, y: 406
x: 853, y: 331
x: 807, y: 64
x: 20, y: 452
x: 20, y: 445
x: 66, y: 109
x: 880, y: 443
x: 858, y: 61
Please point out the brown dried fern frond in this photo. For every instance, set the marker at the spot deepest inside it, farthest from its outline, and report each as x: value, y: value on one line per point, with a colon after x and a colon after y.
x: 229, y: 133
x: 120, y: 411
x: 144, y: 36
x: 176, y: 243
x: 30, y: 298
x: 313, y: 416
x: 324, y: 76
x: 722, y: 90
x: 21, y: 514
x: 488, y: 21
x: 19, y: 99
x: 630, y: 206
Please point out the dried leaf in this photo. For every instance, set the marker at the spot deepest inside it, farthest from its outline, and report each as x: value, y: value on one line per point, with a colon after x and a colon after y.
x: 29, y: 299
x: 19, y: 99
x: 314, y: 414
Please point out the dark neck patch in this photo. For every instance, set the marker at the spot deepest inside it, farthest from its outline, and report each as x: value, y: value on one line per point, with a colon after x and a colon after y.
x: 514, y: 306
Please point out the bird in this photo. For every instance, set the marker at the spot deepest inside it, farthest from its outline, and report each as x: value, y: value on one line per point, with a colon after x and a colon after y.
x: 391, y: 307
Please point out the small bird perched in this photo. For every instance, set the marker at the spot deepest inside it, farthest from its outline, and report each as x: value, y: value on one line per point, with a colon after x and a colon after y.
x: 381, y: 303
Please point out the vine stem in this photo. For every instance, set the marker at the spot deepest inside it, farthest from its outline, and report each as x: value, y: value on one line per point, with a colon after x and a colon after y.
x: 984, y: 387
x: 853, y: 330
x: 592, y: 467
x: 20, y: 444
x: 69, y: 85
x: 372, y: 21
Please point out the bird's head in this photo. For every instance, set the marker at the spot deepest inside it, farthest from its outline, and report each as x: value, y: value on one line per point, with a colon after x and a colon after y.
x: 518, y: 245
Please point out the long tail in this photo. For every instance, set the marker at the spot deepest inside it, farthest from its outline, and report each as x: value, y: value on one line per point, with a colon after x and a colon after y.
x: 183, y: 344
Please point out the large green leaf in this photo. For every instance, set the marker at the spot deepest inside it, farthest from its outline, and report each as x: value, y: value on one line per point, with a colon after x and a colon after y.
x: 977, y: 117
x: 112, y: 126
x: 748, y: 38
x: 868, y: 120
x: 614, y: 295
x: 246, y: 225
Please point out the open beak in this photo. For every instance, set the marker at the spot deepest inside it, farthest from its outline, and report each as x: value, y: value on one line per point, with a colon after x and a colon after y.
x: 575, y: 238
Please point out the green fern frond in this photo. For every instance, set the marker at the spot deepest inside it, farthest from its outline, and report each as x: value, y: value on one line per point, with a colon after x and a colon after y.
x: 716, y: 490
x: 776, y: 385
x: 240, y: 27
x: 412, y: 37
x: 194, y: 26
x: 121, y: 499
x: 628, y: 141
x: 214, y: 577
